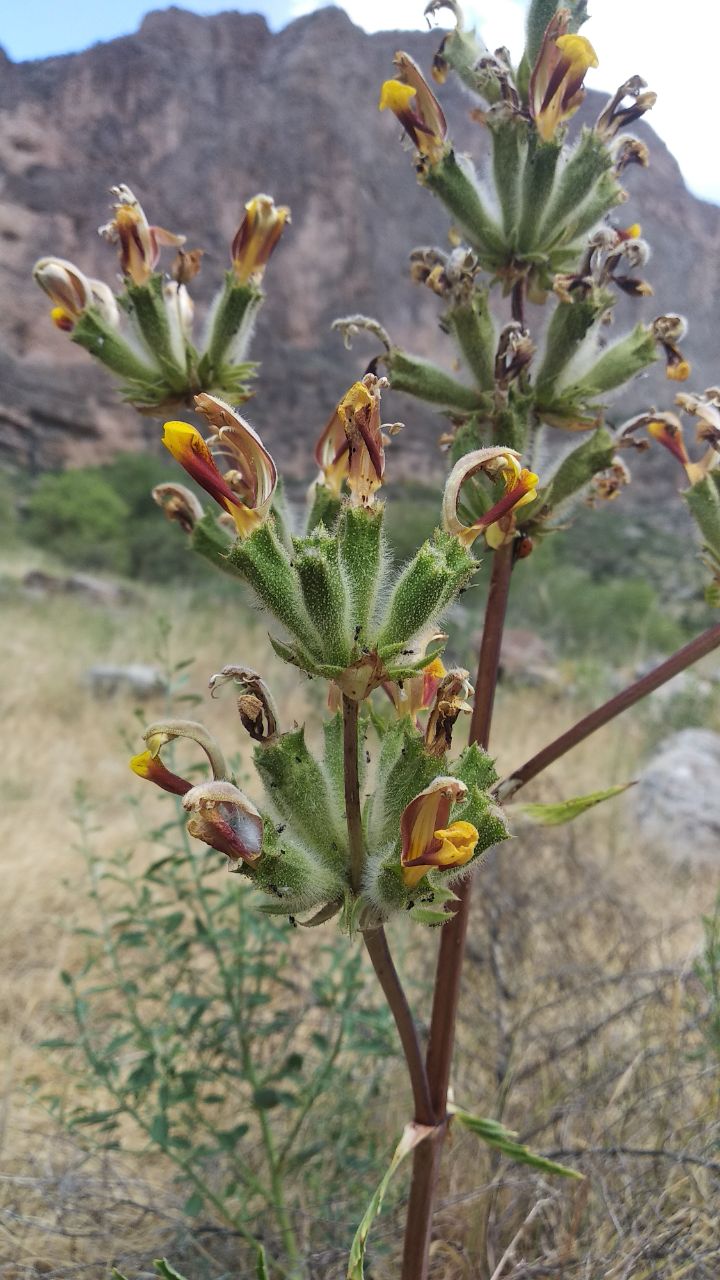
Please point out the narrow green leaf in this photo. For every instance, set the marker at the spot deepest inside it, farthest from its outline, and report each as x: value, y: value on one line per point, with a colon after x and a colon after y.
x: 193, y: 1204
x: 262, y: 1271
x: 496, y: 1135
x: 412, y: 1135
x: 167, y: 1270
x: 553, y: 815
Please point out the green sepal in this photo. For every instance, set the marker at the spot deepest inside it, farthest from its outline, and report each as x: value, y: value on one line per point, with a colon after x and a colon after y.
x: 428, y: 382
x: 569, y: 326
x: 296, y: 656
x: 334, y: 763
x: 428, y: 584
x: 324, y: 508
x: 590, y: 159
x: 595, y: 454
x: 232, y: 322
x: 505, y: 1141
x: 299, y: 791
x: 298, y: 876
x: 539, y: 15
x: 463, y: 52
x: 455, y: 187
x: 538, y: 180
x: 605, y: 195
x: 475, y: 768
x: 511, y: 423
x: 703, y: 499
x: 145, y: 304
x: 555, y: 815
x: 362, y: 556
x: 404, y: 770
x: 617, y: 365
x: 211, y: 541
x: 102, y: 341
x: 509, y: 145
x: 471, y: 324
x: 265, y: 563
x: 317, y: 564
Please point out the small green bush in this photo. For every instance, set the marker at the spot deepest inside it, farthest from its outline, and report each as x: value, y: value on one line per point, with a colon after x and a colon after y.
x: 78, y: 516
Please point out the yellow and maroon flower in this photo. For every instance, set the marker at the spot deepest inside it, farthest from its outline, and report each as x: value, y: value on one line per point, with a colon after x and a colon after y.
x: 556, y: 83
x: 423, y: 121
x: 359, y: 413
x: 246, y: 490
x: 667, y: 429
x: 222, y: 816
x: 256, y: 237
x: 332, y: 454
x: 71, y: 293
x: 149, y: 766
x: 418, y: 692
x: 451, y: 697
x: 668, y: 331
x: 497, y: 463
x: 427, y: 840
x: 139, y: 242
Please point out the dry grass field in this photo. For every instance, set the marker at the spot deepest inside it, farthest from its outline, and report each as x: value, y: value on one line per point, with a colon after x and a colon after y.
x: 583, y: 1025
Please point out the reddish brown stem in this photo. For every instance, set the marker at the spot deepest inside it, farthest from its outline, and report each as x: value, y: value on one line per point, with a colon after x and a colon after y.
x: 426, y: 1162
x: 685, y: 657
x: 387, y: 975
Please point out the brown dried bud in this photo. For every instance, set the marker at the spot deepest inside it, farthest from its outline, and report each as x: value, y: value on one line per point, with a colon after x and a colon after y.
x: 178, y: 503
x: 256, y: 706
x: 451, y: 698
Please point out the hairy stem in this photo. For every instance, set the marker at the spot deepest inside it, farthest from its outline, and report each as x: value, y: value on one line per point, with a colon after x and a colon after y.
x: 352, y: 792
x: 387, y: 975
x: 685, y: 657
x: 426, y: 1162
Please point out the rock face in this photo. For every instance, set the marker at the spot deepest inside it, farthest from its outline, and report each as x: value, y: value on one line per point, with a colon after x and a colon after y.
x: 677, y: 799
x: 197, y: 114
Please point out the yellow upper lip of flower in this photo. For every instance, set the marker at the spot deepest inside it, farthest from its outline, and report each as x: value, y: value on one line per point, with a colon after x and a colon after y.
x: 578, y: 51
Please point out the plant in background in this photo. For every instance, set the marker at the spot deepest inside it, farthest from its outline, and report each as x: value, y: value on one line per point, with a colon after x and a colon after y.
x: 386, y: 819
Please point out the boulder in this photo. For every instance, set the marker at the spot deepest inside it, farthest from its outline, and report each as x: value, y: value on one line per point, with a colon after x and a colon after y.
x: 140, y: 681
x: 677, y: 800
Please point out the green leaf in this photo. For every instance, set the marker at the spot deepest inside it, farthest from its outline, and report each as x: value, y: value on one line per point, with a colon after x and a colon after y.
x: 554, y: 815
x: 262, y: 1271
x: 504, y: 1140
x: 117, y: 1275
x: 166, y: 1270
x: 193, y: 1204
x: 412, y: 1135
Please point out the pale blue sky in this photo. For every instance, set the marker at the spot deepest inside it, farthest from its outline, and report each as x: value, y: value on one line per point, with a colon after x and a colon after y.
x: 647, y: 37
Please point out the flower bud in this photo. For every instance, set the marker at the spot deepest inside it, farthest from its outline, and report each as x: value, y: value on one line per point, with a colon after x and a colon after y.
x: 668, y: 331
x: 256, y: 706
x: 139, y: 242
x: 256, y: 238
x: 72, y: 293
x: 615, y: 116
x: 222, y: 816
x: 451, y: 698
x: 179, y: 504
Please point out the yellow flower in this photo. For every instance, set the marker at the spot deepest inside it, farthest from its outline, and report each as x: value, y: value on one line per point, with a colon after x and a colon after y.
x: 245, y: 491
x: 519, y: 483
x: 427, y: 839
x: 359, y: 413
x: 556, y: 83
x: 424, y: 121
x: 256, y: 237
x: 149, y: 765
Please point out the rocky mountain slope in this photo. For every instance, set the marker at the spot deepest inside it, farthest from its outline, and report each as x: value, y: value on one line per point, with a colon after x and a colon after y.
x: 199, y: 113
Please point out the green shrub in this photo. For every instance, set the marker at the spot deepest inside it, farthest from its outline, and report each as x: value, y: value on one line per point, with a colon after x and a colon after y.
x: 78, y: 516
